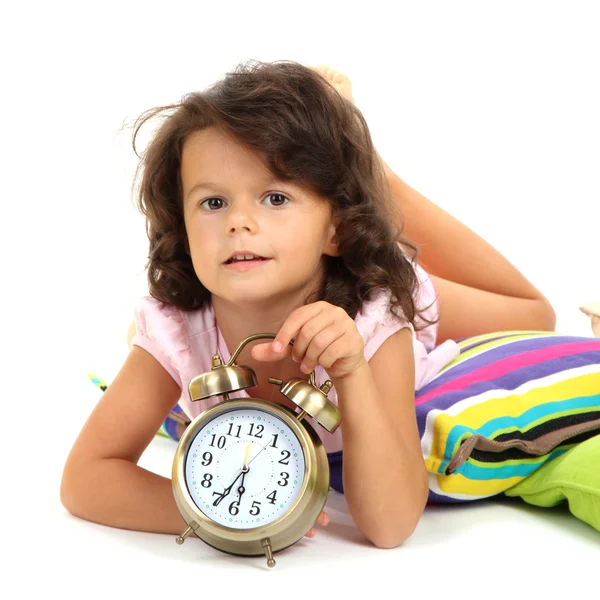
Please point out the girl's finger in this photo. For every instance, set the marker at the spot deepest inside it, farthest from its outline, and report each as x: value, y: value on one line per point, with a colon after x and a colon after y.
x: 297, y: 320
x: 323, y: 519
x: 265, y: 352
x: 324, y: 346
x: 315, y: 326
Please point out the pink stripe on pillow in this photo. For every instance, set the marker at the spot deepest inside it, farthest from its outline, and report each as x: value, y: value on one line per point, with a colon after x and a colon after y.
x: 501, y: 367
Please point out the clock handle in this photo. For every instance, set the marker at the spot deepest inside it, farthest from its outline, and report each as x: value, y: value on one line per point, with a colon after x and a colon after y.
x: 225, y: 378
x: 251, y: 338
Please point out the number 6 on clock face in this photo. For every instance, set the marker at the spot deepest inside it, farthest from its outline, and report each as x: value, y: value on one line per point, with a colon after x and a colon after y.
x: 244, y: 468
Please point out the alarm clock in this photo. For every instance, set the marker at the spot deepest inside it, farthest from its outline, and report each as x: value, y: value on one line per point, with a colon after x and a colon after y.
x: 250, y: 477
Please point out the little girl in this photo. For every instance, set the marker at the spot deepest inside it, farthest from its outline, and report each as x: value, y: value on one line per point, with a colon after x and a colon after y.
x: 268, y: 210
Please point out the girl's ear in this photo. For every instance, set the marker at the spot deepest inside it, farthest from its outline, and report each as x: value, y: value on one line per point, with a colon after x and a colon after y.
x: 331, y: 248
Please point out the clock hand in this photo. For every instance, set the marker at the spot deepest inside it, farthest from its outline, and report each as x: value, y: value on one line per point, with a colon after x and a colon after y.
x: 226, y: 490
x: 248, y: 464
x: 247, y: 454
x: 242, y: 472
x: 242, y: 489
x: 245, y: 469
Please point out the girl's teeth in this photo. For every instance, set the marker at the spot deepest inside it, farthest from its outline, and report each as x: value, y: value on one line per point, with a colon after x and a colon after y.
x: 245, y: 259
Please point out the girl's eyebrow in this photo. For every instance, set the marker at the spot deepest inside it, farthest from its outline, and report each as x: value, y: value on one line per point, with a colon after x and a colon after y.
x: 202, y: 184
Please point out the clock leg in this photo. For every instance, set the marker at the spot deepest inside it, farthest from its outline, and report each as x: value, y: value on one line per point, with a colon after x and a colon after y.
x: 182, y: 537
x: 266, y: 544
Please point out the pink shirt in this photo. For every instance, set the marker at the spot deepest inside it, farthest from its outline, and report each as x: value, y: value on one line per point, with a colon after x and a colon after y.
x: 184, y: 341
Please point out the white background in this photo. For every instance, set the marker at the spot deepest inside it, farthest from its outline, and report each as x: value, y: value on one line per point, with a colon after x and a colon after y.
x: 490, y: 109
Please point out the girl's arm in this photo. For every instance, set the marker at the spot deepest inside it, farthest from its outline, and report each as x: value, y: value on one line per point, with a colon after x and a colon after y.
x: 479, y: 290
x: 384, y: 475
x: 101, y: 480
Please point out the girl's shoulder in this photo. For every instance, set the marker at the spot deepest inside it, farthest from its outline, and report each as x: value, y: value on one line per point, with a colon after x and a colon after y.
x: 376, y: 322
x: 377, y: 314
x: 168, y: 332
x: 377, y: 311
x: 155, y: 316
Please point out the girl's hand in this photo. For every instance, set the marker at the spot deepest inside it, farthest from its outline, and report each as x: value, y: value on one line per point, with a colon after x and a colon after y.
x: 323, y: 334
x: 322, y: 520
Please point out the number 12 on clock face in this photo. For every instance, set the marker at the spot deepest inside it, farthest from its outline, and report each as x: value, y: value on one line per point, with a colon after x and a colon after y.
x: 244, y: 468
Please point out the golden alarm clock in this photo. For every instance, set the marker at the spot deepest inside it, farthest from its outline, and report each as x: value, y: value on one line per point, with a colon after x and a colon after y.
x: 250, y: 477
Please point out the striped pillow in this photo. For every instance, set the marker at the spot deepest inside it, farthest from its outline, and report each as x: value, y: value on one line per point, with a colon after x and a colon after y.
x: 511, y: 401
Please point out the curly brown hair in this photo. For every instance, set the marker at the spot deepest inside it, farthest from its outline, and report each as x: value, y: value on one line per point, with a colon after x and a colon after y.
x: 306, y: 133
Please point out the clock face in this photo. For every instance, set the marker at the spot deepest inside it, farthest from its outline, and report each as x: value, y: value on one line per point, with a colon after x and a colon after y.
x: 244, y: 468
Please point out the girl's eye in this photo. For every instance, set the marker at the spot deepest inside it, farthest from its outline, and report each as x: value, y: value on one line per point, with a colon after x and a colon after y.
x: 209, y: 199
x: 278, y: 202
x: 278, y: 195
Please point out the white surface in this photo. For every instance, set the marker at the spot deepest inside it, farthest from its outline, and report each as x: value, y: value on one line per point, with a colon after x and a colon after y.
x: 490, y: 110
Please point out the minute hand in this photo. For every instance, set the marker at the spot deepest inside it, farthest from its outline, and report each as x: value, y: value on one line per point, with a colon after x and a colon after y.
x: 227, y: 490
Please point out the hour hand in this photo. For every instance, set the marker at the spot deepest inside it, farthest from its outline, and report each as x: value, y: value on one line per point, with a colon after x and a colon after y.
x: 242, y: 489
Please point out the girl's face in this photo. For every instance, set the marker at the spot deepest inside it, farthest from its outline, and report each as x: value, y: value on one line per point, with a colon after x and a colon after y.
x: 232, y: 204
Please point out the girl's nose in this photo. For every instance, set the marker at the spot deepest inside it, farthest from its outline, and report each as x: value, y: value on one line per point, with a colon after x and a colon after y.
x: 241, y: 217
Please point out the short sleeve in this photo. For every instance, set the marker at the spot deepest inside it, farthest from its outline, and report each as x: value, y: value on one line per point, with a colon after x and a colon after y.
x: 161, y: 331
x: 376, y: 322
x: 427, y: 302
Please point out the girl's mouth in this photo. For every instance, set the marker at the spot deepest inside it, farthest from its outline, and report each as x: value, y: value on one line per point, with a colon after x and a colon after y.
x: 245, y: 265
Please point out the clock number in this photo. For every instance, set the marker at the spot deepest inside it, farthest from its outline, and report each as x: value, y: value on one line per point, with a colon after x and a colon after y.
x: 239, y: 428
x: 207, y: 480
x: 220, y: 442
x: 274, y: 444
x: 234, y: 508
x: 259, y: 428
x: 219, y: 497
x: 285, y: 476
x: 207, y: 456
x: 272, y: 496
x: 255, y: 506
x: 284, y: 460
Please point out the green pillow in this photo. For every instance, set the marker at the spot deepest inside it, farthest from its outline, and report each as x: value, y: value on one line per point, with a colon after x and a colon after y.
x: 574, y: 476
